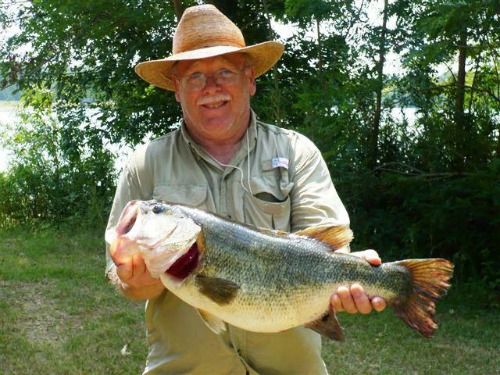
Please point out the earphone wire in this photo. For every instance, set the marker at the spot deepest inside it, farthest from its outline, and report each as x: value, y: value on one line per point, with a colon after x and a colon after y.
x: 249, y: 190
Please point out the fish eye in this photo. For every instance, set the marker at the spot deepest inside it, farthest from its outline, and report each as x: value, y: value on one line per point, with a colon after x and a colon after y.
x: 158, y: 208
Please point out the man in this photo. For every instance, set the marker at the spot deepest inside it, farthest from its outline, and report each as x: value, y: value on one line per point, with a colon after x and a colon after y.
x: 224, y: 160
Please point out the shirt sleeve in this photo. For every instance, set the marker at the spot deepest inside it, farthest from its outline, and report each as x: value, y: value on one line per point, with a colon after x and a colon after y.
x: 314, y: 199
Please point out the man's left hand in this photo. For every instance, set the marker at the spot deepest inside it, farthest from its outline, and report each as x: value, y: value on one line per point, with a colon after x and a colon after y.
x: 354, y: 299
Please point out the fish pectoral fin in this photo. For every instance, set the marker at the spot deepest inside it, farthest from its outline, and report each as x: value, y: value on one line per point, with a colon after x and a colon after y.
x: 221, y: 291
x: 336, y: 236
x: 328, y: 326
x: 215, y: 324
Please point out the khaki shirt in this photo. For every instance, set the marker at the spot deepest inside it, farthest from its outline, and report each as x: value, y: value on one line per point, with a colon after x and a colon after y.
x: 277, y: 179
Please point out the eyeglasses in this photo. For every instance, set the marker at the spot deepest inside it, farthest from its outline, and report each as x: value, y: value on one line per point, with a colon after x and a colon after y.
x: 223, y: 77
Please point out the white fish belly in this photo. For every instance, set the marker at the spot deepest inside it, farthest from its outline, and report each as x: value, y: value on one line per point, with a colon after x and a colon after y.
x: 258, y: 313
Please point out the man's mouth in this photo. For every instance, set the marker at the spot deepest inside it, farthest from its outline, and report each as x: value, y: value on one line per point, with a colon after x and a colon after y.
x: 214, y: 102
x: 214, y: 105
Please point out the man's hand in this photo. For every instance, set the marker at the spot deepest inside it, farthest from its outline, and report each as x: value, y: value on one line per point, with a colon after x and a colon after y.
x: 135, y: 280
x: 354, y: 299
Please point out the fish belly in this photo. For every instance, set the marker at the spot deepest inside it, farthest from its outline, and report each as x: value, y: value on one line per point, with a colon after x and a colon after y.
x: 258, y: 312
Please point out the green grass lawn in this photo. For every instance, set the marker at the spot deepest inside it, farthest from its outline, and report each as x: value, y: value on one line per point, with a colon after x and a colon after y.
x: 58, y: 315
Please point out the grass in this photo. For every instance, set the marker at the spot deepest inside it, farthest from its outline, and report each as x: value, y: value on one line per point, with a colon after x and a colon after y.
x: 58, y: 313
x: 60, y: 316
x: 467, y: 342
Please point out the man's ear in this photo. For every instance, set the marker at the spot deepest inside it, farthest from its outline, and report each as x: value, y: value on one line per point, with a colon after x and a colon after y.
x: 176, y: 84
x: 253, y: 83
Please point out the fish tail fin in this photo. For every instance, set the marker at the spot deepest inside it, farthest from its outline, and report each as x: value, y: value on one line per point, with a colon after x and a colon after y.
x: 430, y: 282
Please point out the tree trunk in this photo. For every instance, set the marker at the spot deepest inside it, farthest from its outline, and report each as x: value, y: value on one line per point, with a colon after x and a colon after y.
x: 320, y: 59
x: 179, y: 9
x: 275, y: 91
x: 373, y: 142
x: 463, y: 131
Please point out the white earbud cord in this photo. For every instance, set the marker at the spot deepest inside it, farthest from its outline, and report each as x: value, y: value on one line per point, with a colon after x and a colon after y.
x: 249, y: 190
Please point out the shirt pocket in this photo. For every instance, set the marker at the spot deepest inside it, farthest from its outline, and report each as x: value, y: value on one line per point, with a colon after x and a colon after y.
x: 188, y: 194
x: 269, y: 204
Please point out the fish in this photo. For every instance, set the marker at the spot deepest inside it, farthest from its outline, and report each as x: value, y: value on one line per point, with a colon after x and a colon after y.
x: 265, y: 280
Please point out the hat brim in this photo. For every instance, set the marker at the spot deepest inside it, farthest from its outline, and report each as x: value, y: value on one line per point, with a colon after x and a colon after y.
x: 157, y: 72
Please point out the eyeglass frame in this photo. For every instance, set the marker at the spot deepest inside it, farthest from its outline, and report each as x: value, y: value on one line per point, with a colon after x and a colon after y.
x: 204, y: 77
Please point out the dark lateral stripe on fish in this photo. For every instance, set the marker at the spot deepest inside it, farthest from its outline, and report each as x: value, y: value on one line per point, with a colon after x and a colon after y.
x: 429, y: 283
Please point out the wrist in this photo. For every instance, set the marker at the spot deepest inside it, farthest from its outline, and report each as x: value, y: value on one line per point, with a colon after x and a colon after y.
x: 143, y: 292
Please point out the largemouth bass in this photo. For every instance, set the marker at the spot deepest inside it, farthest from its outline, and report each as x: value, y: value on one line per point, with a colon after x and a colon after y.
x: 265, y: 280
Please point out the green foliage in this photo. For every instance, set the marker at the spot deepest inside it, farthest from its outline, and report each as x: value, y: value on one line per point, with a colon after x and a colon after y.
x: 59, y: 173
x: 404, y: 213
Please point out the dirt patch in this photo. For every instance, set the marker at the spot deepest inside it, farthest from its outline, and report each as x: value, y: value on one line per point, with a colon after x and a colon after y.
x: 38, y: 315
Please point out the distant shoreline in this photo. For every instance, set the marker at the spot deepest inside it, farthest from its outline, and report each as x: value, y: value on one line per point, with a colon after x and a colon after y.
x: 9, y: 105
x: 8, y: 114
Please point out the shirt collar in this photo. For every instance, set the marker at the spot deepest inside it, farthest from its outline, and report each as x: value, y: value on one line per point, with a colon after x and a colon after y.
x: 247, y: 144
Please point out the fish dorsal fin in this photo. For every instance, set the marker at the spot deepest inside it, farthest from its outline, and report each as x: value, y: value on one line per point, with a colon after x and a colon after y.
x: 336, y: 236
x: 215, y: 324
x: 328, y: 326
x: 219, y: 290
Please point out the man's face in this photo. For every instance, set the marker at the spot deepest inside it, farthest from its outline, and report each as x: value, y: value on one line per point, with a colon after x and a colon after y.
x: 218, y: 110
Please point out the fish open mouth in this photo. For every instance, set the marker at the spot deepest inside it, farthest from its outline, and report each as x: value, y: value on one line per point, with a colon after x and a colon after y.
x: 128, y: 218
x: 143, y: 229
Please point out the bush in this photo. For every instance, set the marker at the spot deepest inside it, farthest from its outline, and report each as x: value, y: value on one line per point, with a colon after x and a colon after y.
x: 454, y: 216
x: 56, y: 177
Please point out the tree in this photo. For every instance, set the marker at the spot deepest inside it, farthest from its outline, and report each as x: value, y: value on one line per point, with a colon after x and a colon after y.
x: 458, y: 107
x: 382, y: 47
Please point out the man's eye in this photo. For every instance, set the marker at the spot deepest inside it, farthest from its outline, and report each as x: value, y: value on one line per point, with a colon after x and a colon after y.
x: 226, y: 73
x: 196, y: 77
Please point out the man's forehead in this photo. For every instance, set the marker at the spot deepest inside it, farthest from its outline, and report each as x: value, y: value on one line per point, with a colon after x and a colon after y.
x: 233, y: 59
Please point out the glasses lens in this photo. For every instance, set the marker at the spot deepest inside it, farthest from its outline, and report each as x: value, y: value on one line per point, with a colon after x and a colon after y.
x: 223, y: 77
x: 226, y: 77
x: 194, y: 81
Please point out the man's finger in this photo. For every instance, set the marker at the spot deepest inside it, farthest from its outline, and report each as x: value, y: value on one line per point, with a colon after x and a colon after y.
x: 378, y: 304
x: 346, y: 300
x: 361, y: 300
x: 139, y: 266
x: 125, y: 270
x: 371, y: 256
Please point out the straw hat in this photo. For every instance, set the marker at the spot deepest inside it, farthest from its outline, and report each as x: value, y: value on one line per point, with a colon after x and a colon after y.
x: 203, y: 31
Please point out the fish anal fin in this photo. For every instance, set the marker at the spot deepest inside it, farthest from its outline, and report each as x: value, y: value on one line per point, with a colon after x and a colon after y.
x: 328, y: 326
x: 430, y: 282
x: 336, y: 236
x: 215, y: 324
x: 221, y: 291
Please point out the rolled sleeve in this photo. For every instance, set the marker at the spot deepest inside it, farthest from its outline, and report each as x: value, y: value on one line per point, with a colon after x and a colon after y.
x: 315, y: 201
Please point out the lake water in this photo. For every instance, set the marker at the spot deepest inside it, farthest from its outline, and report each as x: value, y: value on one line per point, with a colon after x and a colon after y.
x: 8, y: 115
x: 8, y: 112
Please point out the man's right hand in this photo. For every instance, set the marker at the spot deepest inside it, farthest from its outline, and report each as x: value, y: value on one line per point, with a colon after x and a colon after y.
x: 136, y: 282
